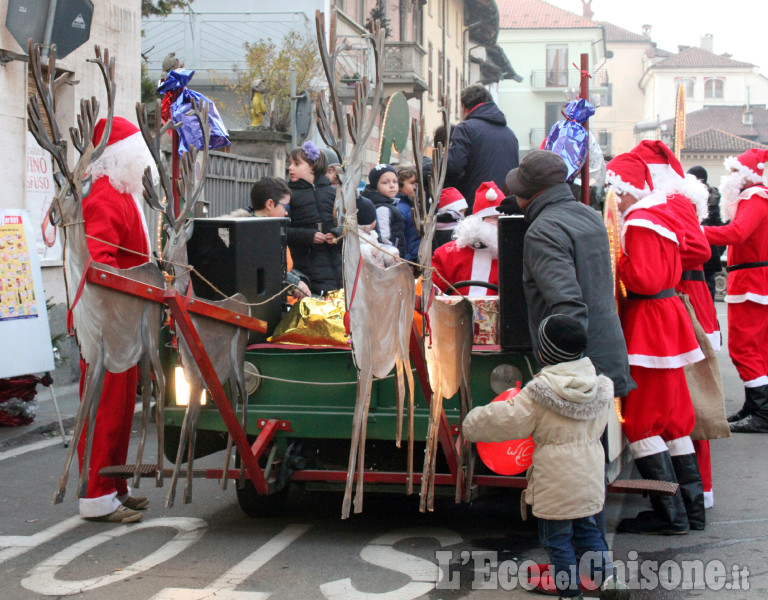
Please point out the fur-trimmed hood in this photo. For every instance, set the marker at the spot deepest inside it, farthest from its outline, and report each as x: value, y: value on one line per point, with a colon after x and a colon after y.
x: 572, y: 389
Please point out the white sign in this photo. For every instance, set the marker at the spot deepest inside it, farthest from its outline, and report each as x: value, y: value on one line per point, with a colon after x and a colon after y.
x: 40, y: 192
x: 25, y: 337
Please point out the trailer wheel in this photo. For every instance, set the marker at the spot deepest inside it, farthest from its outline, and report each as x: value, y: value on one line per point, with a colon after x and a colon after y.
x: 258, y: 505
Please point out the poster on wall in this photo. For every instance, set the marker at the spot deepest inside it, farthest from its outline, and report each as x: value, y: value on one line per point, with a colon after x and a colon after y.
x: 40, y: 192
x: 24, y: 326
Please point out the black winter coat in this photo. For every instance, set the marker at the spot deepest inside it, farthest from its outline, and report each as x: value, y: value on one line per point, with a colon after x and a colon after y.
x: 567, y: 270
x: 482, y: 148
x: 396, y: 221
x: 312, y: 211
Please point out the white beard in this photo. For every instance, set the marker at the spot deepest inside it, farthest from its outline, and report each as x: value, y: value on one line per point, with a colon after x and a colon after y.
x: 476, y: 233
x: 731, y: 186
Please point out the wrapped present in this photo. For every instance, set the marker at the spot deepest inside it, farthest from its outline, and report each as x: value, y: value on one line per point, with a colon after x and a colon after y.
x: 485, y: 310
x: 569, y: 138
x: 314, y: 322
x: 175, y: 92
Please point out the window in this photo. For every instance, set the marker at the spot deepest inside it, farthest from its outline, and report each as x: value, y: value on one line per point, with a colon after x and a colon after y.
x: 417, y: 21
x: 557, y: 65
x: 713, y: 87
x: 688, y: 82
x: 606, y: 98
x: 430, y: 51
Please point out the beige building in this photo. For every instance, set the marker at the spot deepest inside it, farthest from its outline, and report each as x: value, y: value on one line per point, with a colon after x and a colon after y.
x: 116, y: 26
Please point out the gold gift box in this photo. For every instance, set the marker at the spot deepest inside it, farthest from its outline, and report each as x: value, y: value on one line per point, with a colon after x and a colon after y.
x: 314, y: 322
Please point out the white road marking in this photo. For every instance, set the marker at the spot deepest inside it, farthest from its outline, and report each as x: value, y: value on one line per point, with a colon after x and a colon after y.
x: 42, y: 579
x: 14, y: 452
x: 15, y: 545
x: 380, y: 552
x: 224, y: 587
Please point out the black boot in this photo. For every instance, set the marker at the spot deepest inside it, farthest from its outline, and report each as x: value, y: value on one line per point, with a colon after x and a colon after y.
x: 757, y: 422
x: 668, y: 516
x: 747, y: 409
x: 691, y: 488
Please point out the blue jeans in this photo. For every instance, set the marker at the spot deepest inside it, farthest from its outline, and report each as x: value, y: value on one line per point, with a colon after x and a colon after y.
x: 574, y: 543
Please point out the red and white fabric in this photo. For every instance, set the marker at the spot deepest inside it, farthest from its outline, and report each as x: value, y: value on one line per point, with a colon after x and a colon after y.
x: 658, y: 332
x: 456, y: 263
x: 487, y: 199
x: 113, y: 216
x: 669, y: 177
x: 628, y: 174
x: 747, y: 347
x: 693, y: 254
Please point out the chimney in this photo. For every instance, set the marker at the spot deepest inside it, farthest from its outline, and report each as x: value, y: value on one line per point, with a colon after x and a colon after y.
x: 682, y: 48
x: 707, y: 43
x: 586, y: 9
x: 647, y: 31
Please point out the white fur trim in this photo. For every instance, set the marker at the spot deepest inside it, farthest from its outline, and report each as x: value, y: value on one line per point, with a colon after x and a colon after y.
x: 124, y: 163
x: 653, y: 199
x: 709, y: 499
x: 98, y: 507
x: 456, y: 206
x: 491, y: 211
x: 647, y: 224
x: 732, y: 162
x: 647, y: 447
x: 666, y: 362
x: 680, y: 446
x: 491, y: 194
x: 481, y: 271
x: 749, y: 296
x: 473, y: 231
x: 714, y: 339
x: 759, y: 382
x: 623, y: 187
x: 138, y: 200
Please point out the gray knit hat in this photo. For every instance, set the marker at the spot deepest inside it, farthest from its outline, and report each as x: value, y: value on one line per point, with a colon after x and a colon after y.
x: 561, y: 339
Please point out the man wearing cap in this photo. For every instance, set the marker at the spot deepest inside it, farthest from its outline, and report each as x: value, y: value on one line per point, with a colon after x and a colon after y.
x: 745, y: 203
x: 567, y: 263
x: 658, y: 415
x: 482, y: 148
x: 473, y: 255
x: 118, y: 237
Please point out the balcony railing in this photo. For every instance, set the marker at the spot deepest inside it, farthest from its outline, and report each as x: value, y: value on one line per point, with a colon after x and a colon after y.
x: 404, y: 62
x: 549, y: 79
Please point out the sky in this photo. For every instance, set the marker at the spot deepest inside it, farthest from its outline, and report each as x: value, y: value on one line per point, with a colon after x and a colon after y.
x: 738, y: 26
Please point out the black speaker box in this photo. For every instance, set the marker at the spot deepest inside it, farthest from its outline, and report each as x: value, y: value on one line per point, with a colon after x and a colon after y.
x: 242, y: 255
x: 513, y: 317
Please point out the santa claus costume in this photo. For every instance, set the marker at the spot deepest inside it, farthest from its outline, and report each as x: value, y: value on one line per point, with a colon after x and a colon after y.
x: 745, y: 202
x: 660, y: 342
x: 450, y: 212
x: 687, y: 198
x: 474, y: 253
x: 117, y: 231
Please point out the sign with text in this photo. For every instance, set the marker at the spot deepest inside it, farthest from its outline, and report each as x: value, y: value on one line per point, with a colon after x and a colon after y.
x: 40, y: 192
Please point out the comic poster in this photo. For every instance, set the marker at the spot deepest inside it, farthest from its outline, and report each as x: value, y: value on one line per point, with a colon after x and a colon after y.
x: 40, y: 192
x: 17, y: 287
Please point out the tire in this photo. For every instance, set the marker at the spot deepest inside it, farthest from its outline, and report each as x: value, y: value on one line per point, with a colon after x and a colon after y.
x: 257, y: 505
x: 720, y: 283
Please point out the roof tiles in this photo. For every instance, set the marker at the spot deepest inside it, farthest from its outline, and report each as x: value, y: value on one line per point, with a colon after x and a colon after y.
x: 536, y: 14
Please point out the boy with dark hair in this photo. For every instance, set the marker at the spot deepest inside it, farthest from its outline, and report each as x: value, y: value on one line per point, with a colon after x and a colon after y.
x: 406, y: 181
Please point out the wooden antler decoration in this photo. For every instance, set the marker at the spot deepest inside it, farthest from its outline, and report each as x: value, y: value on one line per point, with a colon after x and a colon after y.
x: 105, y: 321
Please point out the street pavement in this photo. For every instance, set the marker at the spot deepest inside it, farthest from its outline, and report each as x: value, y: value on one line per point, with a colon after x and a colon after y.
x: 209, y: 549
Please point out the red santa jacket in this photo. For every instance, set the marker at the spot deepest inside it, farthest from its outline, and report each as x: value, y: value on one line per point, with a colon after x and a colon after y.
x: 658, y: 331
x: 693, y: 254
x: 747, y: 239
x: 114, y: 218
x: 456, y: 264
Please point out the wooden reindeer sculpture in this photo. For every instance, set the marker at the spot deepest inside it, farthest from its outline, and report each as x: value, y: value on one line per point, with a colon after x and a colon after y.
x: 224, y: 343
x: 379, y: 301
x: 447, y: 331
x: 115, y: 331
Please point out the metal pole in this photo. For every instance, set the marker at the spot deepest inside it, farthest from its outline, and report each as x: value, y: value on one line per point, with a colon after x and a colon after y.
x: 49, y: 26
x: 293, y: 108
x: 584, y: 93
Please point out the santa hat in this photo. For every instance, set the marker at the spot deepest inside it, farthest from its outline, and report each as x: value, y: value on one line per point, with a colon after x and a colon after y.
x: 668, y: 175
x: 751, y: 164
x: 628, y: 174
x: 451, y: 199
x: 487, y: 199
x: 121, y: 129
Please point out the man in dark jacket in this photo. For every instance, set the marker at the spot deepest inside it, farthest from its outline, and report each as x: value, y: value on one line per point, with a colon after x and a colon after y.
x: 482, y: 147
x: 567, y: 263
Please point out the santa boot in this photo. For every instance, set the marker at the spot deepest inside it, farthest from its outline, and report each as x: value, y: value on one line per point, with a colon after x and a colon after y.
x: 747, y: 408
x: 691, y: 488
x: 757, y: 422
x: 668, y: 516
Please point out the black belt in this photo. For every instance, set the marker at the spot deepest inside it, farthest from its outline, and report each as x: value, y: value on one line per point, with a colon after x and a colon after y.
x: 668, y: 293
x: 693, y: 276
x: 750, y: 265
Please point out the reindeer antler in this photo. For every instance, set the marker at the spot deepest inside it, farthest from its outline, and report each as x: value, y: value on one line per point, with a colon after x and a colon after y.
x: 153, y: 141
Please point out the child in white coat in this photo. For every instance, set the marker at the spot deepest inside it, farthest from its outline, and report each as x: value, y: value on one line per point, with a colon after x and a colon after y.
x: 565, y: 408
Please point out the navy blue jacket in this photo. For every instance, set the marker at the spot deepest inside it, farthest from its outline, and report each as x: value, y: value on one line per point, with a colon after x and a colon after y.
x: 482, y: 148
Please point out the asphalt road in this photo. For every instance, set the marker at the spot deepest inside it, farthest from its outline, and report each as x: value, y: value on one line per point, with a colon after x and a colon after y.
x: 209, y: 549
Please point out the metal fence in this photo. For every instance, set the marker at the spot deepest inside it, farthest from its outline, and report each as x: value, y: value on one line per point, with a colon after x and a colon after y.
x: 229, y: 180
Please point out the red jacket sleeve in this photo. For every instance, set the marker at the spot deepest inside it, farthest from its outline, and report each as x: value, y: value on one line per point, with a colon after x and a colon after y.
x: 749, y: 216
x: 437, y: 263
x: 645, y: 266
x: 105, y: 219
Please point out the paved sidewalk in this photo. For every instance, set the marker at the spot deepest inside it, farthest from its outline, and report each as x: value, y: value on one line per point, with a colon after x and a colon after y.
x: 46, y: 421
